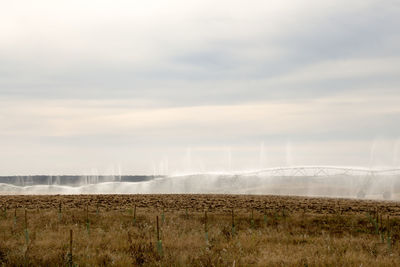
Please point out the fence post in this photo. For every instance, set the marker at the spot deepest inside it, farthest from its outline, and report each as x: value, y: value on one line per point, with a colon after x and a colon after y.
x: 159, y: 243
x: 15, y: 216
x: 5, y: 212
x: 26, y: 228
x: 59, y: 211
x: 233, y: 223
x: 265, y: 216
x: 87, y: 219
x: 206, y: 226
x: 158, y: 230
x: 134, y: 215
x: 388, y: 225
x: 252, y: 217
x: 70, y: 262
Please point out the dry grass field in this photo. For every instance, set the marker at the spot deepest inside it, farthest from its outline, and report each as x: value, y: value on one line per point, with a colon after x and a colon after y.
x: 107, y: 230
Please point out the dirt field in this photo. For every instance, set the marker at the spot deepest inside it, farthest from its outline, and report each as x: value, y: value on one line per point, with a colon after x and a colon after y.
x: 236, y: 231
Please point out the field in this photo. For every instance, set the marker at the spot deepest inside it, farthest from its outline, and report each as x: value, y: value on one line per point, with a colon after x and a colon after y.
x: 197, y: 230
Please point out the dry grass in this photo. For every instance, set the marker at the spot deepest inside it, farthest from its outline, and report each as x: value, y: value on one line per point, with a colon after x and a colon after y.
x: 296, y: 232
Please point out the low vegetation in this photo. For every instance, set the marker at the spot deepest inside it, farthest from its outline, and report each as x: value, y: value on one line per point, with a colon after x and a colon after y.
x: 197, y: 230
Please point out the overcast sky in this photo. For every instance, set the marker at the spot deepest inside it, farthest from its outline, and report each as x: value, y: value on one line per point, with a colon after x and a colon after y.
x: 173, y: 86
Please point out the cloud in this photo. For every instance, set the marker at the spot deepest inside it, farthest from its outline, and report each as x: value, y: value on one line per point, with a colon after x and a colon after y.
x: 156, y: 49
x: 99, y: 78
x: 344, y: 113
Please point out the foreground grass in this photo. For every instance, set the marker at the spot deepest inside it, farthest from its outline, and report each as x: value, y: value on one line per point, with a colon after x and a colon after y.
x: 273, y: 235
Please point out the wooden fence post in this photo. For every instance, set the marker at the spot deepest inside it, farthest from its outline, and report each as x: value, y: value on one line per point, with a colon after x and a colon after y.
x: 59, y: 211
x: 206, y: 226
x: 134, y: 215
x: 265, y: 216
x: 5, y: 211
x: 233, y: 223
x: 70, y: 261
x: 15, y: 216
x: 159, y: 243
x: 252, y: 217
x: 87, y: 219
x: 26, y: 228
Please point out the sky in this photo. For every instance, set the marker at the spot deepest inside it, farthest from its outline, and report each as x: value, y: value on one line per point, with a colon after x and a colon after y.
x: 158, y: 87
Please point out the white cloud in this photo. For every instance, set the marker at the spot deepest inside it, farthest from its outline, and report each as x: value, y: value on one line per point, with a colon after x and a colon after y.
x: 133, y: 80
x: 342, y: 113
x: 343, y: 69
